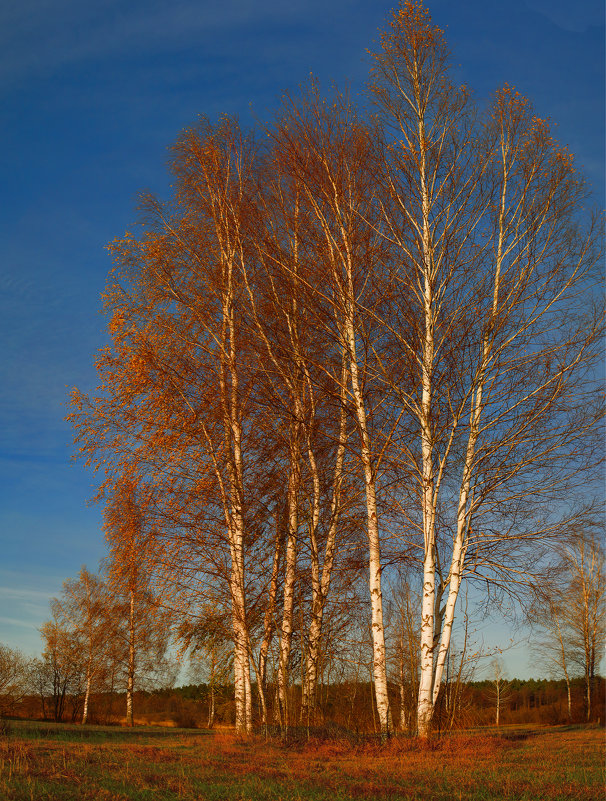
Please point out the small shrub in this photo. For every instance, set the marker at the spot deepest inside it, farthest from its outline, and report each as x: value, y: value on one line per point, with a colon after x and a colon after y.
x: 185, y: 720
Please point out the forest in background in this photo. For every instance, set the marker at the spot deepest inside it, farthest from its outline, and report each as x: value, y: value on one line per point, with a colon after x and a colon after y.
x: 346, y: 709
x: 105, y: 664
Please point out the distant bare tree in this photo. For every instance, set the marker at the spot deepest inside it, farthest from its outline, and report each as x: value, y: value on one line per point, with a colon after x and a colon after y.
x: 405, y: 638
x: 570, y: 611
x: 14, y: 678
x: 551, y: 644
x: 61, y: 672
x: 499, y: 693
x: 585, y: 610
x: 208, y: 640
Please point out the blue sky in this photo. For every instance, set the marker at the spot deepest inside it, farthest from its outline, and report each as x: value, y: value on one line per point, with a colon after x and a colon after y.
x: 91, y: 96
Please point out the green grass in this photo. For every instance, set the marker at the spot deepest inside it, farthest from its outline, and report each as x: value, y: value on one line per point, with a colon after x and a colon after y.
x: 48, y: 761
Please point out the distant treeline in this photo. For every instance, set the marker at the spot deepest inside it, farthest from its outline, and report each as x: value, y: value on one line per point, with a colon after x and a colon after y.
x: 348, y: 705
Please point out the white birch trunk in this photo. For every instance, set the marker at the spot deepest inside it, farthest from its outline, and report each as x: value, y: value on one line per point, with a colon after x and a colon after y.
x: 498, y: 709
x: 289, y: 577
x: 130, y: 682
x: 129, y: 700
x: 374, y: 554
x: 86, y: 695
x: 241, y: 649
x: 247, y: 687
x: 268, y: 620
x: 403, y: 716
x: 90, y: 634
x: 563, y: 661
x: 211, y: 701
x: 309, y: 676
x: 233, y: 433
x: 425, y: 702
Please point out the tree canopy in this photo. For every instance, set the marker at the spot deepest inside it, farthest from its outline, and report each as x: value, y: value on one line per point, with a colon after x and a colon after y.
x: 349, y: 342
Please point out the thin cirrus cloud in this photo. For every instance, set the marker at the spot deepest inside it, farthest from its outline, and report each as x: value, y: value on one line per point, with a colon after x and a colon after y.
x: 30, y: 598
x: 576, y: 17
x: 24, y: 607
x: 43, y: 36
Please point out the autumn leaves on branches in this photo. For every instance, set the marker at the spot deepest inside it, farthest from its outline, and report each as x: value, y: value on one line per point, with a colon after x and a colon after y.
x: 348, y: 334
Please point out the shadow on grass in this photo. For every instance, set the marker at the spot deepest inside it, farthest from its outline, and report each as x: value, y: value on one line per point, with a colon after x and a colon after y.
x: 330, y: 732
x: 71, y: 732
x: 523, y: 733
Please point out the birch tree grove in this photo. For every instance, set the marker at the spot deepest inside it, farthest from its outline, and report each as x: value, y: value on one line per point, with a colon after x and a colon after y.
x: 348, y: 336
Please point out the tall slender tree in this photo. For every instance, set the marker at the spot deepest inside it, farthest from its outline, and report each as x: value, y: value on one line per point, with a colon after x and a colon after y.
x: 579, y: 607
x: 141, y: 624
x: 483, y: 217
x: 331, y: 153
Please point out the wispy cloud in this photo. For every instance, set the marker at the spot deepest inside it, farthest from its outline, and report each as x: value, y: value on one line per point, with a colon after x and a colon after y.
x: 41, y: 36
x: 23, y: 608
x: 575, y: 17
x: 16, y: 622
x: 22, y: 595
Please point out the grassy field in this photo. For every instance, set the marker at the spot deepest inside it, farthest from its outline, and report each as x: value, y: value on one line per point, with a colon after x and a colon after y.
x: 47, y: 761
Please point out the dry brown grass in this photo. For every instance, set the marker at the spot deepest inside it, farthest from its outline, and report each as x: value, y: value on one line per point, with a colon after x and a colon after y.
x: 122, y: 765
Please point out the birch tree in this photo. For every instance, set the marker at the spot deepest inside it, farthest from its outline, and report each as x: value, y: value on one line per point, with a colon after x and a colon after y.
x: 141, y: 625
x: 331, y: 153
x: 175, y: 374
x: 212, y: 175
x: 81, y: 613
x: 581, y: 613
x: 483, y: 215
x: 60, y: 671
x: 14, y: 678
x: 552, y: 646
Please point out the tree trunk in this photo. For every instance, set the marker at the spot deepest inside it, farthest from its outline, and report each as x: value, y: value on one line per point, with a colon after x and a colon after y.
x: 498, y: 709
x: 428, y: 491
x: 374, y: 554
x: 289, y: 576
x: 131, y: 662
x: 211, y: 707
x: 403, y: 715
x: 229, y: 383
x: 86, y: 696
